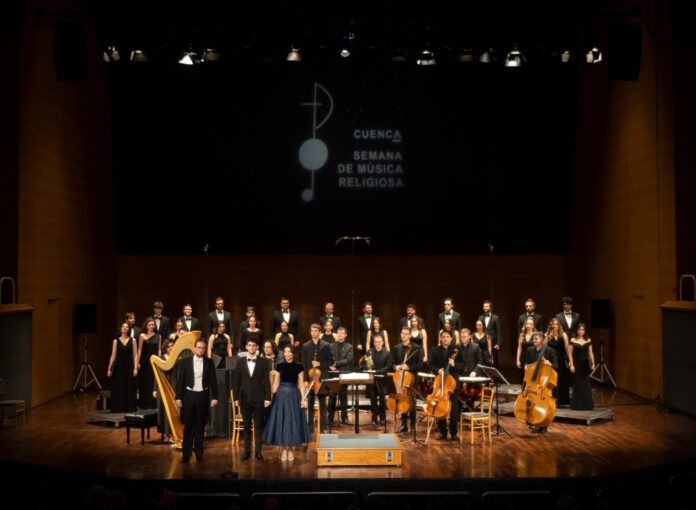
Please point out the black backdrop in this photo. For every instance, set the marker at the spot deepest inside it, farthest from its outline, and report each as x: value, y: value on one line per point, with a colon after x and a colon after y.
x: 209, y: 155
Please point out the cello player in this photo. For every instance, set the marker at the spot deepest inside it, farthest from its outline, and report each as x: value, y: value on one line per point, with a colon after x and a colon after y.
x: 532, y: 355
x: 438, y: 360
x: 413, y: 365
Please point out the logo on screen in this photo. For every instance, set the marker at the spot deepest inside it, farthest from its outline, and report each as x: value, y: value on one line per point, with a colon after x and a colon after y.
x: 313, y: 153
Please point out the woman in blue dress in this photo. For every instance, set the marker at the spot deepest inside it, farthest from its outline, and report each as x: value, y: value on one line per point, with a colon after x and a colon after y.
x: 287, y: 425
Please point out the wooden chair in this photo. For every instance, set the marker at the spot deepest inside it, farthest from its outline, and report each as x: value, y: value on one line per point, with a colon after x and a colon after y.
x: 479, y: 420
x: 18, y: 405
x: 238, y: 422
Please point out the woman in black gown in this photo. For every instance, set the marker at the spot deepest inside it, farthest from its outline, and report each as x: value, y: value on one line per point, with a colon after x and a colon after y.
x: 287, y: 425
x: 250, y: 332
x: 329, y: 336
x: 483, y: 340
x: 558, y: 341
x: 284, y: 337
x: 150, y: 343
x: 582, y: 364
x: 219, y: 343
x: 163, y: 426
x: 523, y: 342
x: 419, y: 337
x: 123, y: 370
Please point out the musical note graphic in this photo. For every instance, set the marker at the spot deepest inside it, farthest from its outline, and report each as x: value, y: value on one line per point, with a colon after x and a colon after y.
x: 313, y: 152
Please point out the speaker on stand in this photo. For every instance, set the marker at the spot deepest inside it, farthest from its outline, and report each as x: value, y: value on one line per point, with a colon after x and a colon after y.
x: 601, y: 319
x: 85, y: 321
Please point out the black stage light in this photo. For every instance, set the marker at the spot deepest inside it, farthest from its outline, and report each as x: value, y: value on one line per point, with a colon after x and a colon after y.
x: 294, y: 55
x: 426, y: 58
x: 489, y: 56
x: 515, y: 58
x: 210, y: 55
x: 138, y: 55
x: 111, y: 54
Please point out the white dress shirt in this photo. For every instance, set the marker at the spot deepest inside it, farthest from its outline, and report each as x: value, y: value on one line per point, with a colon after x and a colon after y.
x: 197, y: 373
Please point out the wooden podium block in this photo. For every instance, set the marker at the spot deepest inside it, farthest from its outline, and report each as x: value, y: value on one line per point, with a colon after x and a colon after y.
x: 359, y: 450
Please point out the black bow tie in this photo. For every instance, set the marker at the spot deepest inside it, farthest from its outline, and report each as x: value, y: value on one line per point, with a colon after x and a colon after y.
x: 158, y: 316
x: 486, y: 314
x: 368, y: 316
x: 569, y: 313
x: 187, y: 318
x: 251, y: 360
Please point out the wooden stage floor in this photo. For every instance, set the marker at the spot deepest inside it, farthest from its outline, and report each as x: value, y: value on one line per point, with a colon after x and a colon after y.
x: 58, y: 434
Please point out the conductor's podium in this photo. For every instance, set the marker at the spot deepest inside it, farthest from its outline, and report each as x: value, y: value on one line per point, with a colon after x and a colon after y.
x: 359, y: 450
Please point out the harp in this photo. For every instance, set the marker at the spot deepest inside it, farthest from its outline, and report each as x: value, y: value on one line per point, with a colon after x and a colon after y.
x: 159, y: 366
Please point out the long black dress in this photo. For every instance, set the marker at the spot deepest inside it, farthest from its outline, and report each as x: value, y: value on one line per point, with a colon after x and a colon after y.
x: 287, y: 425
x: 563, y: 388
x: 246, y: 335
x: 328, y: 338
x: 525, y: 344
x: 163, y: 425
x: 283, y: 340
x: 122, y: 380
x: 146, y: 376
x: 582, y: 389
x: 483, y: 345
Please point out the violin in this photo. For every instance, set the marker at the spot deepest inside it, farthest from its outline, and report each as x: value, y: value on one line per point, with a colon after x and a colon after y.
x: 438, y: 403
x: 536, y: 405
x: 402, y: 400
x: 314, y: 376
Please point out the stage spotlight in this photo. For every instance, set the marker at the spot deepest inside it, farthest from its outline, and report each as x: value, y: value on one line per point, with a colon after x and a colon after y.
x: 426, y: 58
x: 400, y: 55
x: 466, y: 56
x: 210, y: 55
x: 111, y: 54
x: 565, y: 56
x: 138, y: 56
x: 594, y: 55
x: 347, y: 45
x: 187, y: 58
x: 514, y: 58
x: 294, y: 55
x: 489, y: 56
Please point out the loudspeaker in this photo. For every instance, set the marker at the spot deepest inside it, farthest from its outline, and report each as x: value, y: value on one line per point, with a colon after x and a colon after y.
x: 85, y: 318
x: 70, y: 51
x: 624, y: 51
x: 601, y: 313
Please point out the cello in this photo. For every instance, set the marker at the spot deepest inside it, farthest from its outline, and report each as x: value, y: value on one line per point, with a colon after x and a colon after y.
x: 536, y: 405
x: 438, y: 403
x: 402, y: 400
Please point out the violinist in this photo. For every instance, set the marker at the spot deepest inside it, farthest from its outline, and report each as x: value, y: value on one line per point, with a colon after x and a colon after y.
x: 323, y: 360
x: 413, y: 365
x: 532, y: 355
x: 440, y: 357
x: 381, y: 364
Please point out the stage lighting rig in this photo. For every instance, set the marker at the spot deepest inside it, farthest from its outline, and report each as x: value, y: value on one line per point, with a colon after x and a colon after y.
x: 426, y: 58
x: 515, y: 58
x: 138, y: 55
x: 294, y: 55
x: 111, y: 54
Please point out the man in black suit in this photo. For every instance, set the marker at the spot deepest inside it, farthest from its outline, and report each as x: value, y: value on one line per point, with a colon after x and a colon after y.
x: 529, y: 313
x: 287, y: 315
x: 163, y: 325
x: 454, y: 317
x: 189, y: 321
x: 413, y: 365
x: 442, y: 356
x: 491, y: 323
x: 194, y: 387
x: 471, y: 353
x: 323, y: 360
x: 250, y: 311
x: 342, y: 353
x: 135, y: 331
x: 568, y: 318
x: 252, y: 393
x: 364, y: 325
x: 220, y: 315
x: 532, y: 355
x: 382, y: 363
x: 405, y: 322
x: 329, y: 314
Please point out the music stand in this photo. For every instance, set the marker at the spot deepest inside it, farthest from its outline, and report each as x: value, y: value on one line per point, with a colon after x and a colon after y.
x: 494, y: 375
x: 354, y: 378
x: 415, y: 439
x: 230, y: 365
x: 384, y: 386
x: 326, y: 387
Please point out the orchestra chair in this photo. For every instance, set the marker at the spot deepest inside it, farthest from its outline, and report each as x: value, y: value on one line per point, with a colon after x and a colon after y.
x: 238, y: 422
x: 18, y: 405
x: 480, y: 420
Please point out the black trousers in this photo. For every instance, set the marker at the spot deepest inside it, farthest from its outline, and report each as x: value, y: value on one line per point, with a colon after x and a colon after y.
x: 411, y: 414
x: 322, y: 411
x: 453, y: 417
x: 342, y: 397
x: 252, y: 410
x: 374, y: 395
x: 193, y: 414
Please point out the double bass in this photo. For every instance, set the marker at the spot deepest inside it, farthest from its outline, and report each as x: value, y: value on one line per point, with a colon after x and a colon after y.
x: 402, y: 400
x: 438, y: 403
x: 536, y: 405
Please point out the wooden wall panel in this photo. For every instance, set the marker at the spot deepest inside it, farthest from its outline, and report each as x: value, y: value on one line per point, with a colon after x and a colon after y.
x: 65, y: 219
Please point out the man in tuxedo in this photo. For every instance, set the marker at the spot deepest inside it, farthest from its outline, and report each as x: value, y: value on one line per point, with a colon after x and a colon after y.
x: 364, y: 325
x: 324, y: 359
x: 442, y: 356
x: 529, y: 313
x: 491, y: 323
x: 413, y: 365
x: 405, y: 322
x: 252, y: 393
x: 287, y: 315
x: 329, y: 314
x: 189, y: 321
x: 454, y: 317
x: 250, y: 311
x: 163, y: 325
x: 568, y: 318
x: 194, y: 387
x: 381, y: 363
x: 342, y: 353
x: 220, y: 315
x: 135, y: 331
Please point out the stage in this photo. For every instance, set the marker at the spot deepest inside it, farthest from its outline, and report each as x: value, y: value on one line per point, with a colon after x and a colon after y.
x: 59, y: 439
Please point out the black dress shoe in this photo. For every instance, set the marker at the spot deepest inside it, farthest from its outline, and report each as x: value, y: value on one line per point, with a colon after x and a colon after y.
x: 373, y: 423
x: 199, y: 460
x: 246, y: 456
x: 259, y: 457
x: 184, y: 460
x: 345, y: 421
x: 441, y: 437
x: 401, y: 429
x: 323, y: 430
x: 536, y: 430
x: 454, y: 438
